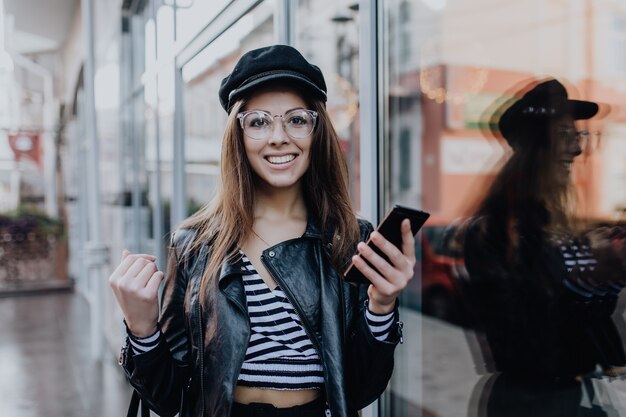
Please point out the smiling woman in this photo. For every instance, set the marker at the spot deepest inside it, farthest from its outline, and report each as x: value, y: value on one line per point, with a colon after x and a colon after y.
x: 281, y: 159
x: 541, y: 288
x: 242, y: 329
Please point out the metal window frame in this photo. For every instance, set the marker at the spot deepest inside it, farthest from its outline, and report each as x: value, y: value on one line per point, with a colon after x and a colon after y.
x: 284, y: 22
x: 225, y: 19
x: 371, y: 105
x: 372, y: 74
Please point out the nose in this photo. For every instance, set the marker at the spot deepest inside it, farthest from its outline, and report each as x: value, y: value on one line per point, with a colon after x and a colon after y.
x: 575, y: 147
x: 278, y: 135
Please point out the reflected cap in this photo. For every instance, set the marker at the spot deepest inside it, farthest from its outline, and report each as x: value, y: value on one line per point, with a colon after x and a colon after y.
x: 545, y: 101
x: 276, y: 63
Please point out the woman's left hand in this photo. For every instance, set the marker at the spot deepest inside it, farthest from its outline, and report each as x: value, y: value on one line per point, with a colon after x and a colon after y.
x: 389, y: 278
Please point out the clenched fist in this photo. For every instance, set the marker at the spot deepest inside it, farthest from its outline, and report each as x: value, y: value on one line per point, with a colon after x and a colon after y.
x: 135, y: 283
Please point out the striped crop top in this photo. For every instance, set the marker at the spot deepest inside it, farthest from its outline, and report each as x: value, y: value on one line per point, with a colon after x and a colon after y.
x: 280, y: 354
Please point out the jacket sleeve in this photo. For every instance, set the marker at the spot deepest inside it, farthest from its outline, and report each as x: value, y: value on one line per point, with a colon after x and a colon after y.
x: 369, y: 362
x: 160, y: 375
x: 508, y: 298
x: 535, y: 323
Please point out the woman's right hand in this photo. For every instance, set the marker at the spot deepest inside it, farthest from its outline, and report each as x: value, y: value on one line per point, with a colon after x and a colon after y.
x: 135, y: 283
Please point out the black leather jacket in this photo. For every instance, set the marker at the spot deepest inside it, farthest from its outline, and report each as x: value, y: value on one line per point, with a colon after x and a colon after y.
x: 194, y: 370
x: 536, y: 326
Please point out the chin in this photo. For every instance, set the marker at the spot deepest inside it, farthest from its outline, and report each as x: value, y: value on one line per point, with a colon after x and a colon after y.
x: 279, y: 183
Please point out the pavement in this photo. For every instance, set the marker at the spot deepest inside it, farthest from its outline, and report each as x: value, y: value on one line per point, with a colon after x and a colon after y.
x: 45, y: 364
x: 435, y: 373
x: 440, y: 372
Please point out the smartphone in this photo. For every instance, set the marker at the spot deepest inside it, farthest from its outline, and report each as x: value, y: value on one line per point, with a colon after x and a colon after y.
x: 390, y: 229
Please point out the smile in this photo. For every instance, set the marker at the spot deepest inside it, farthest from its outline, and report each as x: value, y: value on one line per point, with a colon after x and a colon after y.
x: 277, y: 160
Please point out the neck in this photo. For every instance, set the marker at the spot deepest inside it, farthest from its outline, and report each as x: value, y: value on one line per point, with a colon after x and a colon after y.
x: 279, y: 204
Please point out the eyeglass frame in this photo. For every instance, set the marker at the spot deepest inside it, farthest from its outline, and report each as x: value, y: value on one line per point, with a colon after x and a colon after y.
x: 312, y: 113
x: 582, y: 136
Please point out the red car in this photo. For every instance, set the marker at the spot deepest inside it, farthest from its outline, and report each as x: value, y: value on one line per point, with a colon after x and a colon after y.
x: 435, y: 288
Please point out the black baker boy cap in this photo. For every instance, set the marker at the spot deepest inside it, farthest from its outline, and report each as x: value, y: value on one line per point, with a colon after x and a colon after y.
x: 274, y: 63
x: 545, y: 101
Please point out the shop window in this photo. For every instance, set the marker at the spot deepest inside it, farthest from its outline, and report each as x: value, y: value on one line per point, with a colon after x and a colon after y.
x: 205, y: 119
x: 448, y: 68
x: 326, y: 32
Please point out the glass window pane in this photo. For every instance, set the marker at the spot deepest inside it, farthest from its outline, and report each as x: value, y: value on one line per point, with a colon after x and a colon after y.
x: 327, y: 34
x: 193, y: 15
x: 452, y: 68
x: 205, y: 119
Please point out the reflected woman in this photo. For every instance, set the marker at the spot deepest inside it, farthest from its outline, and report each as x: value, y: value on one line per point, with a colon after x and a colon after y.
x: 542, y: 291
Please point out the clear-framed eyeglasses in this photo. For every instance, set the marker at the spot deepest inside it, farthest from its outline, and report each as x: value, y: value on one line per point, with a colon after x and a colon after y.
x: 259, y: 125
x: 585, y: 138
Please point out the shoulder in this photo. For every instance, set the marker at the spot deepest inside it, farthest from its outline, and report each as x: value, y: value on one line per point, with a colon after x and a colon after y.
x: 365, y: 229
x: 182, y: 240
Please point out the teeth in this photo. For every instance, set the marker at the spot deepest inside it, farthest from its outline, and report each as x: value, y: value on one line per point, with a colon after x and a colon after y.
x: 281, y: 159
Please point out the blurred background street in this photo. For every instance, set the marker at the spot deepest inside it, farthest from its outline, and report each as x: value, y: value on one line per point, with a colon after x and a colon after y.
x: 45, y: 362
x: 110, y: 135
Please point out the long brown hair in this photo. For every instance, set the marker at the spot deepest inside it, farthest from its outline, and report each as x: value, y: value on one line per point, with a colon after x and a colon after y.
x: 527, y: 195
x: 227, y: 220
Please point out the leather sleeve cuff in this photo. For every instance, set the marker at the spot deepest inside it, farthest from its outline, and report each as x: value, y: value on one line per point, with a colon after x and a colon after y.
x: 137, y: 365
x: 395, y: 332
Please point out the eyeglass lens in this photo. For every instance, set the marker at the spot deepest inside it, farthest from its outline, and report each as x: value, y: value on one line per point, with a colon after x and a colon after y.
x: 297, y: 123
x: 584, y: 137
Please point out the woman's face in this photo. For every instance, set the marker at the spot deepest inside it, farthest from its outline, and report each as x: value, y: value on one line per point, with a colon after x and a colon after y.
x: 566, y: 146
x: 279, y: 161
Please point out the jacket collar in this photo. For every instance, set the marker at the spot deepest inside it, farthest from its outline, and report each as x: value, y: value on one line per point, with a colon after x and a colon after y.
x: 312, y: 229
x: 235, y: 266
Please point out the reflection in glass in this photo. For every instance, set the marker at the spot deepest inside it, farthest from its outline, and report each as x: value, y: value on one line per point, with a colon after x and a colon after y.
x: 335, y: 50
x: 204, y: 117
x: 193, y: 15
x: 542, y: 285
x: 449, y: 67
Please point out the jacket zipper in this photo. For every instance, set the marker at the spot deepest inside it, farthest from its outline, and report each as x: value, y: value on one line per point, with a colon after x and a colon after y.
x: 245, y: 312
x: 342, y: 296
x: 201, y: 353
x: 296, y: 308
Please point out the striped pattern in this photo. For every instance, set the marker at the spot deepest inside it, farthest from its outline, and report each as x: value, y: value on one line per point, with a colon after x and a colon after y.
x: 280, y: 355
x: 144, y: 345
x: 581, y: 264
x: 577, y: 256
x: 379, y: 324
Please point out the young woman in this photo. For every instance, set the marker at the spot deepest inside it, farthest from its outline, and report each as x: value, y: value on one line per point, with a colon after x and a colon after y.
x: 541, y: 290
x: 255, y: 316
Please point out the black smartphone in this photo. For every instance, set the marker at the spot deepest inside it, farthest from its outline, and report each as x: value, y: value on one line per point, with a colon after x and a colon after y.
x: 390, y: 229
